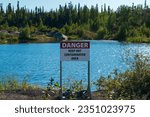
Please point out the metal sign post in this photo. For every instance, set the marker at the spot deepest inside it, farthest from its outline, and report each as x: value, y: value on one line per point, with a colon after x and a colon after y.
x: 61, y: 79
x: 75, y: 51
x: 89, y: 81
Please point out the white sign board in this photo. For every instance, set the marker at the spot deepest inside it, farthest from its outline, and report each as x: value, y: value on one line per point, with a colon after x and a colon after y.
x: 75, y: 51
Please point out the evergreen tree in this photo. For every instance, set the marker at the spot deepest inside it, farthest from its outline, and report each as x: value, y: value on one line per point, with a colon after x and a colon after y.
x: 25, y: 34
x: 87, y: 19
x: 122, y: 33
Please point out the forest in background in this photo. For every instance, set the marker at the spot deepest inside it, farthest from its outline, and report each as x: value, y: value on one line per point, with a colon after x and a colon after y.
x: 127, y: 23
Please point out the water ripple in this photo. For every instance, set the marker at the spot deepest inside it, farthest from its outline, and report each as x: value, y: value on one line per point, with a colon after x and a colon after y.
x: 40, y: 62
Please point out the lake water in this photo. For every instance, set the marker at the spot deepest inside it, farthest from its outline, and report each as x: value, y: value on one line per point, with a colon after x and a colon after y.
x: 40, y: 62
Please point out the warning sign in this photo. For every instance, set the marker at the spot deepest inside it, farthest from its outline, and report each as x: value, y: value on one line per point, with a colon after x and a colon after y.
x: 75, y: 51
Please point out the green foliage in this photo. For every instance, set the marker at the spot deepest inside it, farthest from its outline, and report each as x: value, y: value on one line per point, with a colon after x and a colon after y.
x: 8, y: 38
x: 125, y: 22
x: 101, y: 33
x: 9, y: 84
x: 12, y: 84
x: 24, y: 85
x: 111, y: 23
x: 24, y: 34
x: 1, y: 86
x: 145, y: 31
x: 52, y: 86
x: 52, y: 89
x: 5, y: 25
x: 74, y: 89
x: 95, y: 25
x: 88, y: 35
x: 76, y: 86
x: 138, y: 39
x: 122, y: 33
x: 73, y: 85
x: 131, y: 84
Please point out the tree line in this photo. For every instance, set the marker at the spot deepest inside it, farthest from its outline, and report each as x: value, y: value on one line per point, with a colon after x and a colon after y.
x: 96, y: 22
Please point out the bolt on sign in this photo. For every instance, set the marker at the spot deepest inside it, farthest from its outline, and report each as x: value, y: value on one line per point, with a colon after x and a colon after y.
x: 75, y: 51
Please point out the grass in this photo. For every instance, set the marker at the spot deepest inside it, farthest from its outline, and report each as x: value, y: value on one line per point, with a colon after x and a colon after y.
x: 12, y: 84
x: 41, y: 39
x: 11, y: 88
x: 73, y: 37
x: 138, y: 39
x: 9, y: 39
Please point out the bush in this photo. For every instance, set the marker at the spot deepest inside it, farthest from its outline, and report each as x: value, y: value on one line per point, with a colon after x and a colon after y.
x: 131, y: 84
x: 138, y: 39
x: 101, y: 33
x: 9, y: 84
x: 122, y: 33
x: 24, y: 35
x: 1, y: 86
x: 88, y: 35
x: 24, y: 85
x: 74, y: 89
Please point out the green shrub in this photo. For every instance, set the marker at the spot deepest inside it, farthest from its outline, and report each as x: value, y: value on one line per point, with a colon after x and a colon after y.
x: 25, y: 34
x: 88, y: 35
x: 131, y: 84
x: 1, y: 86
x: 138, y: 39
x: 74, y: 89
x: 24, y: 85
x: 9, y: 84
x: 101, y: 33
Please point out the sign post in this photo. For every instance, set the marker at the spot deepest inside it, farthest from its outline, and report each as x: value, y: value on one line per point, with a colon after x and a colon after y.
x: 89, y: 81
x: 75, y: 51
x: 60, y: 79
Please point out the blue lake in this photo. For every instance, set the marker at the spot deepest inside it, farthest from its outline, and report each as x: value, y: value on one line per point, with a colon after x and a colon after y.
x: 40, y: 62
